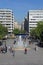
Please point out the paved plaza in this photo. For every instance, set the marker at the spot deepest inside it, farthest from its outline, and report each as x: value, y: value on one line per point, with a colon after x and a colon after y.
x: 31, y: 58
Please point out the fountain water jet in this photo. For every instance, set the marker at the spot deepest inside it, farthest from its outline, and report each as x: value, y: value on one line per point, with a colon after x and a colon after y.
x: 20, y: 42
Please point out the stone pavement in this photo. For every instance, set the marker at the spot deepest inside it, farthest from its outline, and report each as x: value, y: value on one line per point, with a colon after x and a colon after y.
x: 31, y: 58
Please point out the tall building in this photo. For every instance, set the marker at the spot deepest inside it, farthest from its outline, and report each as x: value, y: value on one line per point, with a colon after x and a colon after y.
x: 34, y: 17
x: 7, y: 19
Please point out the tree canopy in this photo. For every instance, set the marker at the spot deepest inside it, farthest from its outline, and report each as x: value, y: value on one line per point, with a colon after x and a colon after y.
x: 16, y: 31
x: 3, y: 31
x: 38, y: 30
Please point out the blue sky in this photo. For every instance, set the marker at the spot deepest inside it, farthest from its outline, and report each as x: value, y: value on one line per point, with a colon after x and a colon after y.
x: 21, y: 7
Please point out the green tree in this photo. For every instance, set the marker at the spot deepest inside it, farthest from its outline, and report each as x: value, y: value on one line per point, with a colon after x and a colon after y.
x: 23, y: 31
x: 33, y: 33
x: 3, y: 31
x: 39, y: 28
x: 37, y: 32
x: 16, y: 31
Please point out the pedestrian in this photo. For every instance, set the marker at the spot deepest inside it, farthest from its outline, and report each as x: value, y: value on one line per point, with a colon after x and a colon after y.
x: 36, y: 48
x: 13, y: 52
x: 10, y: 48
x: 25, y: 50
x: 6, y: 49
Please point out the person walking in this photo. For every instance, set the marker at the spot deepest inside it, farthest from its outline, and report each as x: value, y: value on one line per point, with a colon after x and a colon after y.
x: 25, y: 50
x: 5, y: 48
x: 36, y: 48
x: 13, y: 52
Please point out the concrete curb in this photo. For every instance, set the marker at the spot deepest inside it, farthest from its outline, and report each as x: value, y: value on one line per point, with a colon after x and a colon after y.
x: 22, y: 48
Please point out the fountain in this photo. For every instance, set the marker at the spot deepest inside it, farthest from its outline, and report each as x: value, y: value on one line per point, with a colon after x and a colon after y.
x: 20, y: 43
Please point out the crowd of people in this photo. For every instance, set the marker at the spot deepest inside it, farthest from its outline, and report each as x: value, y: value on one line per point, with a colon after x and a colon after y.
x: 12, y: 49
x: 3, y: 49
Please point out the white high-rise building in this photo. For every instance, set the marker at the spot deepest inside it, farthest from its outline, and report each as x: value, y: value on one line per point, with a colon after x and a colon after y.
x: 7, y: 19
x: 34, y: 17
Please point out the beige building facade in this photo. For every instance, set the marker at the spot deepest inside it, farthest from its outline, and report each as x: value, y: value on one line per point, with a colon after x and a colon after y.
x: 17, y: 25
